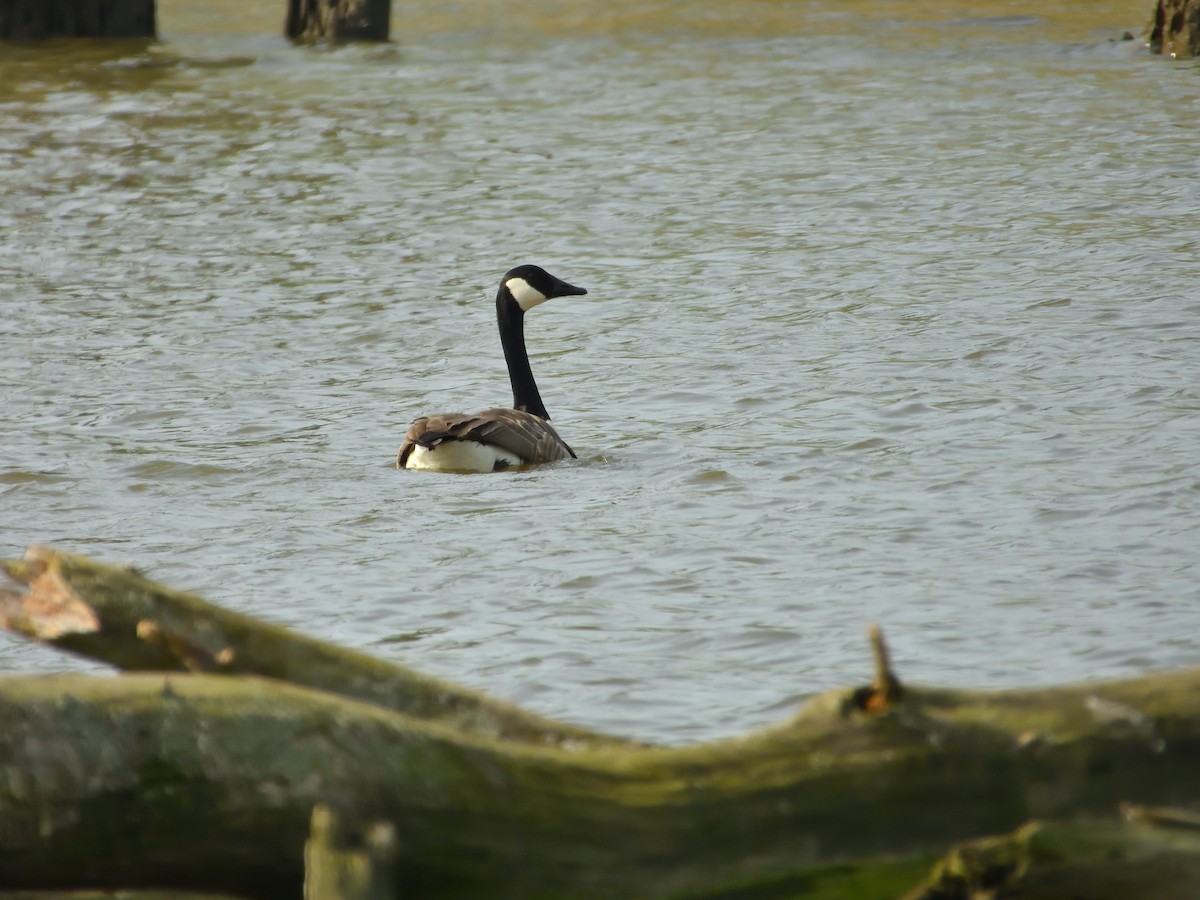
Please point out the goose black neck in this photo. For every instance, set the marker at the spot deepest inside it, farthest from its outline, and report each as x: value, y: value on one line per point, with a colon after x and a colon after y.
x: 511, y: 319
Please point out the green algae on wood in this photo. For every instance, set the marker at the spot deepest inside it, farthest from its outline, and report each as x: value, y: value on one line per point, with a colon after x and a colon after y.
x: 1100, y: 859
x: 213, y: 775
x: 137, y: 624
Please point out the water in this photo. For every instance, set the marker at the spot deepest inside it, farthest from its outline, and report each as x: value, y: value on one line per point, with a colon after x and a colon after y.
x: 893, y: 317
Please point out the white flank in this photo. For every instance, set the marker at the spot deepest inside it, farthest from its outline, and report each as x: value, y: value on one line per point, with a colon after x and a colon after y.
x: 460, y: 456
x: 526, y: 295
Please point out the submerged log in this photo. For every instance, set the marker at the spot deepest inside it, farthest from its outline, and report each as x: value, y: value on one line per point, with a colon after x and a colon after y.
x: 208, y: 782
x: 1174, y: 28
x: 38, y: 19
x: 338, y: 20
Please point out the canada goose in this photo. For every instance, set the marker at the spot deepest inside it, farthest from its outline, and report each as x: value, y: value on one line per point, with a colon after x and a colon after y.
x: 496, y: 439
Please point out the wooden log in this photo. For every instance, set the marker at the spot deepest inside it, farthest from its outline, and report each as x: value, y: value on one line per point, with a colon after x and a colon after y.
x: 115, y: 615
x: 338, y: 20
x: 213, y: 779
x: 347, y: 860
x: 1174, y: 28
x: 38, y: 19
x: 1145, y: 858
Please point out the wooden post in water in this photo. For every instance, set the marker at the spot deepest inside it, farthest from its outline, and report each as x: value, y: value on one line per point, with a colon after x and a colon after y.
x: 338, y: 20
x: 27, y: 20
x: 1175, y: 28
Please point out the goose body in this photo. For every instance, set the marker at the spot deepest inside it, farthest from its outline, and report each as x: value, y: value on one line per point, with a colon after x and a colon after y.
x: 500, y: 438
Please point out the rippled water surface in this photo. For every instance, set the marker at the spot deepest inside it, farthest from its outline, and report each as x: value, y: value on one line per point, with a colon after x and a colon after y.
x: 893, y: 315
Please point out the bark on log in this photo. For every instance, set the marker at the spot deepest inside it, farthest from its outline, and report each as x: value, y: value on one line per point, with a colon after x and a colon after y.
x: 206, y: 782
x: 1174, y: 28
x: 346, y: 860
x: 38, y: 19
x: 1141, y: 859
x: 338, y: 20
x: 115, y: 615
x: 212, y: 780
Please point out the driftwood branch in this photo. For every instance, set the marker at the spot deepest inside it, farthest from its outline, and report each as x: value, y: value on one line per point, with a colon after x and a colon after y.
x: 206, y: 782
x: 117, y: 616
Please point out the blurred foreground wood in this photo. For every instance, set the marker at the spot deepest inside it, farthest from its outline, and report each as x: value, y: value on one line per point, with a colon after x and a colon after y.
x: 204, y: 775
x: 1150, y: 856
x: 338, y: 20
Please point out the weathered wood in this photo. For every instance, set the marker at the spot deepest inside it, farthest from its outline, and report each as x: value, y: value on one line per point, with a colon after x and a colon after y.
x: 115, y: 615
x: 1174, y: 28
x: 347, y: 860
x: 38, y: 19
x: 1097, y: 859
x: 338, y: 20
x: 208, y: 782
x: 212, y: 780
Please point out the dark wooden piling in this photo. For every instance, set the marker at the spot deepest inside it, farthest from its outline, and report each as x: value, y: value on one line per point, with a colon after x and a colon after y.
x: 338, y: 20
x: 1174, y: 29
x: 27, y: 20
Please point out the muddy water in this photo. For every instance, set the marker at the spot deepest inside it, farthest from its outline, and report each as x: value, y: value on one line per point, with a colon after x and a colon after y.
x: 893, y: 316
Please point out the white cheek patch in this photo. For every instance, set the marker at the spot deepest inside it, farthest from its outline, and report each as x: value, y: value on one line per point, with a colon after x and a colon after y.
x: 526, y: 295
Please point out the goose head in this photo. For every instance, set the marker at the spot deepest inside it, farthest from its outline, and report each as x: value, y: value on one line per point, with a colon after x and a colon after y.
x: 527, y: 286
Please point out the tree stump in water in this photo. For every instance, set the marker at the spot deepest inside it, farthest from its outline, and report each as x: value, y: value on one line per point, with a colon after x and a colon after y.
x: 37, y: 19
x: 338, y: 20
x: 1175, y: 28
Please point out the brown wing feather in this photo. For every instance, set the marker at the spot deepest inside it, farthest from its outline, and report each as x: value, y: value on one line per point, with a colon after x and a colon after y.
x: 528, y: 436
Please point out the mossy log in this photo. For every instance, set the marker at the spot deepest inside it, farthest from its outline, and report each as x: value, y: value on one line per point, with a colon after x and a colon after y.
x: 115, y: 615
x: 348, y: 860
x: 206, y: 782
x: 1151, y: 855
